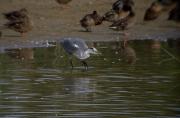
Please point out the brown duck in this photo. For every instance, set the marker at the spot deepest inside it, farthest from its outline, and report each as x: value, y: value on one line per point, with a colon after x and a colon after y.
x: 174, y: 14
x: 16, y: 15
x: 111, y: 16
x: 119, y: 5
x: 120, y: 10
x: 90, y: 20
x: 22, y: 26
x: 157, y: 7
x: 124, y: 23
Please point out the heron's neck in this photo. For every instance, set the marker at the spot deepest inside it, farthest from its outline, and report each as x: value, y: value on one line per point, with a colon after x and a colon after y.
x: 89, y: 51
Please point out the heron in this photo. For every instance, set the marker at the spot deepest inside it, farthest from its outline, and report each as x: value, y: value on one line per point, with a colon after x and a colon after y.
x: 78, y: 48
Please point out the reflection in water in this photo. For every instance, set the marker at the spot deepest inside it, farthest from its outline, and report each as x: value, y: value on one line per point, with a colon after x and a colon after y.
x: 81, y: 88
x: 113, y: 90
x: 128, y: 54
x: 155, y: 45
x: 23, y: 54
x: 125, y: 51
x: 174, y: 43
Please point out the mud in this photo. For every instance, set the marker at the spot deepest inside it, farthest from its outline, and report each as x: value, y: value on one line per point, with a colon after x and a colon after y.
x: 52, y: 21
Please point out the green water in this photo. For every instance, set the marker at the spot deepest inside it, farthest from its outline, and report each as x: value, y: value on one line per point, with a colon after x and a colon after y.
x: 141, y: 80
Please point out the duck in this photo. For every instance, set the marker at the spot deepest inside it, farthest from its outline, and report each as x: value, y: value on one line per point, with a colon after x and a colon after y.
x: 124, y: 23
x: 90, y: 20
x: 16, y: 15
x: 118, y: 6
x: 157, y: 7
x: 22, y: 25
x: 120, y: 10
x: 63, y: 2
x: 111, y: 16
x: 174, y: 14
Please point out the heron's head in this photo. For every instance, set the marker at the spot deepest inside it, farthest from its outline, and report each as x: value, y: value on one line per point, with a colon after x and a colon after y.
x: 93, y: 50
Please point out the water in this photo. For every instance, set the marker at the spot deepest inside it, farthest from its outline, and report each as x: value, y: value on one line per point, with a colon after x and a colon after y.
x: 138, y: 81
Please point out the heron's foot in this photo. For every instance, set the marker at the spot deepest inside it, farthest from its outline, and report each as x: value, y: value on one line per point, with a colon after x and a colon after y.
x: 71, y: 63
x: 85, y: 65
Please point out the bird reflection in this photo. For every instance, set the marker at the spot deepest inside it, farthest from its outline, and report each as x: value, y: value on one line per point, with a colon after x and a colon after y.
x: 81, y: 87
x: 23, y: 54
x: 174, y: 43
x: 127, y: 53
x: 155, y: 46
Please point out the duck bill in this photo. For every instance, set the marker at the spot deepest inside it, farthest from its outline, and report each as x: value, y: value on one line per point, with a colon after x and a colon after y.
x: 97, y: 52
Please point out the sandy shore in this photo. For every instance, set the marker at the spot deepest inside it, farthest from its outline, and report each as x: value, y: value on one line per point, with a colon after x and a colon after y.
x: 52, y: 22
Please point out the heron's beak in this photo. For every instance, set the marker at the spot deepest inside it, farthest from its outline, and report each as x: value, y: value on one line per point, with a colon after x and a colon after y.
x: 94, y: 51
x: 97, y: 52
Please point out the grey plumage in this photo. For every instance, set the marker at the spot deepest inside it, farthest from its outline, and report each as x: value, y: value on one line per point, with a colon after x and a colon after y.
x: 78, y: 48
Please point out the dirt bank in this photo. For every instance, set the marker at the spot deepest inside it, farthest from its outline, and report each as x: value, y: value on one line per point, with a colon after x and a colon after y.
x: 52, y: 22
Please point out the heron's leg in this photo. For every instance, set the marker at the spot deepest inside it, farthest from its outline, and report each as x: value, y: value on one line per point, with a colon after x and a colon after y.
x: 85, y: 65
x: 70, y: 60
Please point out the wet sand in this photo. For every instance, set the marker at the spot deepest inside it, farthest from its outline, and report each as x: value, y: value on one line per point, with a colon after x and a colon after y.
x: 52, y: 22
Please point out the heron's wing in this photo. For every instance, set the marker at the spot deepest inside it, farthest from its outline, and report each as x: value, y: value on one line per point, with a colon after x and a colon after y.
x: 80, y: 44
x: 82, y: 48
x: 72, y: 45
x: 68, y: 46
